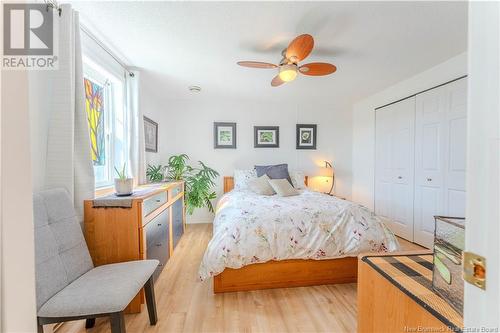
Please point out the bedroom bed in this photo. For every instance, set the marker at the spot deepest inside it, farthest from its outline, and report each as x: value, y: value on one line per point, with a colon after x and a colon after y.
x: 262, y: 242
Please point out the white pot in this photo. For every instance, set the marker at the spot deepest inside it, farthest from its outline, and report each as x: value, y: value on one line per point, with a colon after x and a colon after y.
x: 124, y: 186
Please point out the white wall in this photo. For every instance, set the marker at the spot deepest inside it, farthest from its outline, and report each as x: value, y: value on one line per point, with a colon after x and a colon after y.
x: 187, y: 127
x: 482, y: 308
x: 17, y: 243
x: 363, y: 123
x: 152, y: 107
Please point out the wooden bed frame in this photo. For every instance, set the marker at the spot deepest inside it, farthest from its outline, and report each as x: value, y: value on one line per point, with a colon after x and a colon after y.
x: 285, y: 273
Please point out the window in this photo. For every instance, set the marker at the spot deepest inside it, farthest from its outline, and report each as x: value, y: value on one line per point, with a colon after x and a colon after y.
x: 107, y: 120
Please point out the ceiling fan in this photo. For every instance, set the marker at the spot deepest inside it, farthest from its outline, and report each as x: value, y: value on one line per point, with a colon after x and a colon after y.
x: 297, y: 50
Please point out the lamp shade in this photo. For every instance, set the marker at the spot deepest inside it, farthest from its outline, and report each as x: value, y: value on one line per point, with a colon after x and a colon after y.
x: 288, y: 73
x: 329, y: 166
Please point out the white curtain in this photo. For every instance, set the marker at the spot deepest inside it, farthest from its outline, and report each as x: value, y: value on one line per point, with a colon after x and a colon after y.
x: 69, y: 161
x: 137, y: 155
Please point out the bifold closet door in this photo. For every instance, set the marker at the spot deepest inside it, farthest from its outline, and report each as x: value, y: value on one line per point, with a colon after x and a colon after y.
x: 440, y: 157
x: 394, y: 165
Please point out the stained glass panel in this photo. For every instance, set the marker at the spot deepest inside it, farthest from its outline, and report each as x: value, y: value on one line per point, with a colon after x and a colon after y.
x: 94, y: 107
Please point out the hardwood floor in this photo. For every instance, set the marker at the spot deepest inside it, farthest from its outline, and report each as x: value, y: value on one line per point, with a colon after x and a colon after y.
x: 185, y: 304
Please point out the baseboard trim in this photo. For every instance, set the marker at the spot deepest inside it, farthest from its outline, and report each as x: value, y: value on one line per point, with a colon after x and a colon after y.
x: 202, y: 221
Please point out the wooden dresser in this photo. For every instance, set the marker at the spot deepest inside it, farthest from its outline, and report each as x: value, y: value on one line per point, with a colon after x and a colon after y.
x: 395, y: 295
x: 149, y: 229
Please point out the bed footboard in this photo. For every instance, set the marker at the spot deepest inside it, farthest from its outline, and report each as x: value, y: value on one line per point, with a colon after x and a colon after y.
x: 287, y: 273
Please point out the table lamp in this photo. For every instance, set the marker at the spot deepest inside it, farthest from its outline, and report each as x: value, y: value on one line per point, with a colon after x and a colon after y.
x: 329, y: 165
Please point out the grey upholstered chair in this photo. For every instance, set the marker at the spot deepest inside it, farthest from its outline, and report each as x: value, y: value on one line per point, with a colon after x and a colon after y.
x: 68, y: 287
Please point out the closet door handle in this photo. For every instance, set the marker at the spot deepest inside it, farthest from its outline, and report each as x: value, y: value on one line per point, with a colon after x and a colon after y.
x: 429, y: 179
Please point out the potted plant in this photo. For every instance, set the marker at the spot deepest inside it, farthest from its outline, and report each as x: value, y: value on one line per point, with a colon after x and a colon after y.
x: 199, y: 182
x: 123, y: 184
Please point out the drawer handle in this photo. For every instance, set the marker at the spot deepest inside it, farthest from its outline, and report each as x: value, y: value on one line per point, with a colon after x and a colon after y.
x: 159, y: 224
x: 158, y: 244
x: 160, y: 265
x: 429, y: 179
x: 158, y: 200
x: 399, y: 177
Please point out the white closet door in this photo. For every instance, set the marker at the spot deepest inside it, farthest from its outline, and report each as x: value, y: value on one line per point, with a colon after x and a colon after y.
x: 395, y: 165
x: 440, y: 136
x: 429, y: 163
x: 383, y: 167
x: 456, y: 143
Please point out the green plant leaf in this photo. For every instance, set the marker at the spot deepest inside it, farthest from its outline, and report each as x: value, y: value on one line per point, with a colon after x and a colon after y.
x: 155, y: 173
x: 121, y: 174
x: 199, y: 182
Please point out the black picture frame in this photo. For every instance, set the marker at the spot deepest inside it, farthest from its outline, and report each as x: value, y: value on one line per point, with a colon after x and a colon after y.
x: 150, y: 135
x: 217, y: 143
x: 310, y: 142
x: 273, y: 144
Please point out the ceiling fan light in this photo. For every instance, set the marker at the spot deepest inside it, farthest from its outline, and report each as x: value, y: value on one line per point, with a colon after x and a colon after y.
x: 288, y: 73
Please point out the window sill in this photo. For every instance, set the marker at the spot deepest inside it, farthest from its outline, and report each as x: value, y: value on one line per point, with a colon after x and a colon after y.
x: 102, y: 191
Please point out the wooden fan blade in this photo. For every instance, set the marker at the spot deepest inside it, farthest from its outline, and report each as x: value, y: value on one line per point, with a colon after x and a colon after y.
x: 256, y: 64
x: 300, y: 48
x: 317, y: 69
x: 277, y: 81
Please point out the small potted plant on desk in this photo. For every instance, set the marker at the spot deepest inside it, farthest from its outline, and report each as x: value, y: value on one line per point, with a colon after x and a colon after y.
x: 123, y: 185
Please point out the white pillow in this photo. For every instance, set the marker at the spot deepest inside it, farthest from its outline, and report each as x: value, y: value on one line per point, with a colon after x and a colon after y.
x: 298, y: 179
x: 261, y: 185
x: 283, y: 187
x: 243, y: 177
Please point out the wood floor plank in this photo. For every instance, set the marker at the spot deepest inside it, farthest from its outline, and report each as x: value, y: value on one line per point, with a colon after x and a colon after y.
x: 185, y: 304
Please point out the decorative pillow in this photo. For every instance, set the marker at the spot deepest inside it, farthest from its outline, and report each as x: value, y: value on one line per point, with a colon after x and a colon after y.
x: 261, y: 185
x: 242, y: 177
x: 283, y: 187
x: 298, y: 180
x: 279, y: 171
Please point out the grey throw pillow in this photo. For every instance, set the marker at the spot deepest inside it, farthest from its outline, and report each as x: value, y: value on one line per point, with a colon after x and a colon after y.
x: 278, y: 171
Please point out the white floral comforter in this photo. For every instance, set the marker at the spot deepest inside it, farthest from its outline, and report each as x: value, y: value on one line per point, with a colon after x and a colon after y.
x: 251, y: 228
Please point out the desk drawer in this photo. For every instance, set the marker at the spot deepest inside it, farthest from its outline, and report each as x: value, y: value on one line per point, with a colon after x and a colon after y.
x: 160, y: 251
x: 175, y: 190
x: 177, y: 222
x: 157, y: 240
x: 152, y: 203
x: 157, y: 228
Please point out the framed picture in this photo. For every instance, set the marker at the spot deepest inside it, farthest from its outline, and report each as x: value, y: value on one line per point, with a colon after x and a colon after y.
x: 306, y: 136
x: 151, y: 135
x: 266, y: 136
x: 225, y: 135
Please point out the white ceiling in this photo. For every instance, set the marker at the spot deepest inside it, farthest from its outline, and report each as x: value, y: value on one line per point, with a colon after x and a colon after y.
x: 373, y: 44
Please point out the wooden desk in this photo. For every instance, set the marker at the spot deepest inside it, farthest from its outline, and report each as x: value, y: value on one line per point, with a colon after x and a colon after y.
x: 395, y: 295
x: 150, y: 229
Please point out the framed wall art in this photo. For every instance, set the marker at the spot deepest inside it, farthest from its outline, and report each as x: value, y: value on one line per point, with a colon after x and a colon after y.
x: 151, y: 135
x: 306, y: 136
x: 224, y: 135
x: 266, y: 136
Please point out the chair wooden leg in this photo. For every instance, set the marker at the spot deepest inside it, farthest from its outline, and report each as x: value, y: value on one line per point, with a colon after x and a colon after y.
x: 89, y: 322
x: 149, y: 290
x: 117, y: 322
